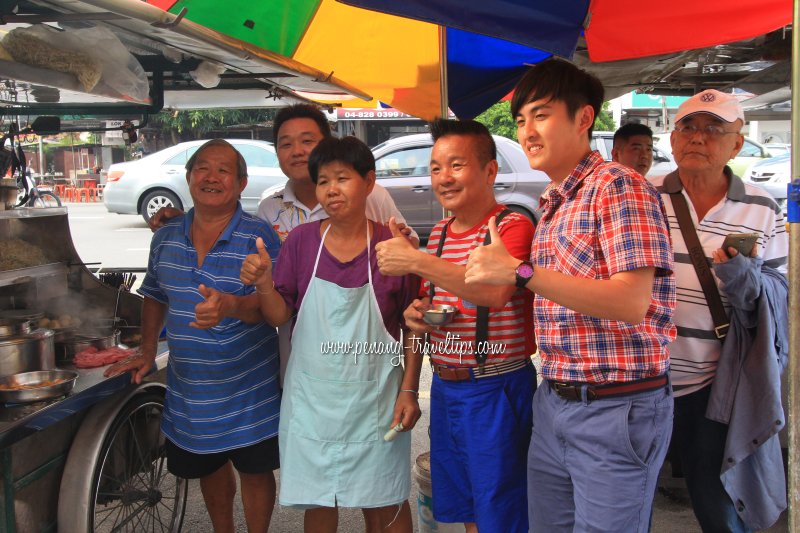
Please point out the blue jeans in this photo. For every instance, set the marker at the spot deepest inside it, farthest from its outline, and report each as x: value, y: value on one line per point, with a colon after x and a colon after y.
x: 593, y: 465
x: 700, y: 445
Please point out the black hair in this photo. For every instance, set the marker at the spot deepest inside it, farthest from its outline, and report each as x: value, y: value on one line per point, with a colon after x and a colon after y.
x: 487, y: 149
x: 631, y: 129
x: 300, y: 111
x: 241, y: 164
x: 559, y: 80
x: 347, y: 150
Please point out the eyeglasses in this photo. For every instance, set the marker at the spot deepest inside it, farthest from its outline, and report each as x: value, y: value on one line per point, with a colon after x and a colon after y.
x: 709, y: 131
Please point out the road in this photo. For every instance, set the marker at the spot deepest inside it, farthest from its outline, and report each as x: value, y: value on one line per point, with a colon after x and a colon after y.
x: 122, y: 241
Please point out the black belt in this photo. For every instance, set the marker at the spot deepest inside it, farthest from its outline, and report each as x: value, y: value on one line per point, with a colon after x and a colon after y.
x: 468, y: 373
x: 571, y: 390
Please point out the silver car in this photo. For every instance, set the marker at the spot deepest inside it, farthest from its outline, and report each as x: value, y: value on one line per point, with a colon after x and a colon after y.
x: 773, y: 175
x: 158, y: 180
x: 402, y: 167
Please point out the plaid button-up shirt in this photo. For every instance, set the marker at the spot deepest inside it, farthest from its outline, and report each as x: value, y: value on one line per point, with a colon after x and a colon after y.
x: 601, y: 220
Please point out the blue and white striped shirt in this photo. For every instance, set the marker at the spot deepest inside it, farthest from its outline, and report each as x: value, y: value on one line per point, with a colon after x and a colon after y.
x: 222, y: 383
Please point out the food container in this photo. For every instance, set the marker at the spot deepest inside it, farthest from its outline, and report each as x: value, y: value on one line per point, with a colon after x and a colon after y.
x: 66, y: 350
x: 439, y: 315
x: 14, y: 327
x: 35, y: 386
x: 25, y: 353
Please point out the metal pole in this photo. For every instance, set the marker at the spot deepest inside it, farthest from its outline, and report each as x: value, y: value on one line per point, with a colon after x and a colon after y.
x: 793, y: 201
x: 42, y: 169
x: 443, y: 71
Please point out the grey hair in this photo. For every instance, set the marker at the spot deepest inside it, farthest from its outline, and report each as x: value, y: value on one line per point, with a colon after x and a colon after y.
x: 241, y: 164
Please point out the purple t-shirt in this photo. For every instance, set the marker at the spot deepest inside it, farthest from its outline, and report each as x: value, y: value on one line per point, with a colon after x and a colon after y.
x: 296, y: 263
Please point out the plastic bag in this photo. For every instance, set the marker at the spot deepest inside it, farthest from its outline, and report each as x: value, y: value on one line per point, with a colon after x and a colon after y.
x: 94, y: 55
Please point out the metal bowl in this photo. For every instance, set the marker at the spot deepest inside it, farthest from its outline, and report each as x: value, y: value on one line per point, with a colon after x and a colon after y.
x: 37, y: 387
x: 439, y: 315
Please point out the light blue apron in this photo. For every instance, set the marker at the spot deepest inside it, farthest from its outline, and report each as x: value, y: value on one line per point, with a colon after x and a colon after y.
x: 336, y: 407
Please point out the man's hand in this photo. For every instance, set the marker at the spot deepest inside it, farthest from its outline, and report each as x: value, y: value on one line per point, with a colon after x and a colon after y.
x: 413, y: 316
x: 161, y: 217
x: 257, y: 268
x: 406, y: 410
x: 492, y: 264
x: 138, y: 365
x: 210, y: 311
x: 721, y: 256
x: 396, y: 255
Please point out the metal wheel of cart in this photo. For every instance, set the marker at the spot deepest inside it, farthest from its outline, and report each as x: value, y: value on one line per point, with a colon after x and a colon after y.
x: 133, y: 491
x: 127, y: 488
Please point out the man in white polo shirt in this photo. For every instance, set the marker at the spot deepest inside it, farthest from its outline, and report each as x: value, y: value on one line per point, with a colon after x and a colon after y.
x: 717, y: 203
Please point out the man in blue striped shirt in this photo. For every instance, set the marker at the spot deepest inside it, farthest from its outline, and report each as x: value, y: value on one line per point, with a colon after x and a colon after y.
x: 223, y: 397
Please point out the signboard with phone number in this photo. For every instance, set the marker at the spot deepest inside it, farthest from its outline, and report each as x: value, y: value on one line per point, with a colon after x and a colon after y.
x: 371, y: 114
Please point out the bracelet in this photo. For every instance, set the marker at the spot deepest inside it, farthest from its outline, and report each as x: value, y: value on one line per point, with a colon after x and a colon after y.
x: 267, y: 292
x: 412, y: 391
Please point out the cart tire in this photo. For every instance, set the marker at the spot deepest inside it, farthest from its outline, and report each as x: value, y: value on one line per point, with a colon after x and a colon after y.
x: 46, y: 199
x: 132, y: 490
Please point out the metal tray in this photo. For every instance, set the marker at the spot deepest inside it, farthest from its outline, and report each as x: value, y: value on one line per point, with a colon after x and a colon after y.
x: 37, y: 393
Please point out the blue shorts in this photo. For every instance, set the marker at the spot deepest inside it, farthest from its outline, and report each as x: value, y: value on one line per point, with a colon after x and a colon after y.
x: 480, y: 431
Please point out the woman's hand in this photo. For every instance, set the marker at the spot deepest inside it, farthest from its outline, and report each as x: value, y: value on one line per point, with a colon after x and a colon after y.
x: 406, y: 410
x: 257, y: 268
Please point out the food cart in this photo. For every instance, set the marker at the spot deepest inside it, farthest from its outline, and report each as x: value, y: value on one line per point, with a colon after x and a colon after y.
x: 92, y: 455
x: 89, y: 457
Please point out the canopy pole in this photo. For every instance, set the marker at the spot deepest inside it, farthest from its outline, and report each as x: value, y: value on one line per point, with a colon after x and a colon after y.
x: 443, y: 72
x: 793, y: 201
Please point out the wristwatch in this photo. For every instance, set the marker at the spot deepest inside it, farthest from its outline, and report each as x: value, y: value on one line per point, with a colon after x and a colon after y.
x: 524, y: 273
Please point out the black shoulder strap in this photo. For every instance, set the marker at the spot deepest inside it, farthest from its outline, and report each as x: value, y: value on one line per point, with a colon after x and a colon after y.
x: 482, y: 318
x: 700, y: 263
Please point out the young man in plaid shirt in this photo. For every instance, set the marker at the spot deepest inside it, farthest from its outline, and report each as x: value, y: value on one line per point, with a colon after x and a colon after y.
x: 601, y: 273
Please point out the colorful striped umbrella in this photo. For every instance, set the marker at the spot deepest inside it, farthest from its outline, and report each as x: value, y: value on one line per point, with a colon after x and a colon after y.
x: 397, y: 60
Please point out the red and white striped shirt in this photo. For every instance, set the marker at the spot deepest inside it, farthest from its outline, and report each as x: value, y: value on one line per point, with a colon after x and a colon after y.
x: 511, y: 334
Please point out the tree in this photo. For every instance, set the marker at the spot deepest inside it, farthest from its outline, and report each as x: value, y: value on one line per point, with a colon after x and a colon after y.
x: 499, y: 121
x: 183, y: 125
x: 604, y: 121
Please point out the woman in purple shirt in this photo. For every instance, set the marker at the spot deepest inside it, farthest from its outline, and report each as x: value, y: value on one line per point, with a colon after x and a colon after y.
x: 344, y: 386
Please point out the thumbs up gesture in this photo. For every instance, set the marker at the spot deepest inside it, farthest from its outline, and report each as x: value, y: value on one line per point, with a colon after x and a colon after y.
x: 211, y: 310
x: 491, y: 264
x: 396, y: 256
x: 257, y: 268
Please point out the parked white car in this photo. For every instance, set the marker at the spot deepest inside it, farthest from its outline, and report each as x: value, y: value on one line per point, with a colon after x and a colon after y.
x: 772, y: 175
x: 158, y: 180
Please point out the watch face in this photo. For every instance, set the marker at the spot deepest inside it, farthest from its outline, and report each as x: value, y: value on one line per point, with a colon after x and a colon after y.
x: 525, y: 271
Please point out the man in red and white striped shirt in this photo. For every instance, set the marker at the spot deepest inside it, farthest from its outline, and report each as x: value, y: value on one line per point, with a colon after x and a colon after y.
x: 483, y: 380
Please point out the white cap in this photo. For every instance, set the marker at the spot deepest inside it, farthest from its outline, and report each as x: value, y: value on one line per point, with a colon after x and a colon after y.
x: 722, y: 105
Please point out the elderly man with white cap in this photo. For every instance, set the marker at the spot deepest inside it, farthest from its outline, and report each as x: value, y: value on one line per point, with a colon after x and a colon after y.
x: 726, y: 361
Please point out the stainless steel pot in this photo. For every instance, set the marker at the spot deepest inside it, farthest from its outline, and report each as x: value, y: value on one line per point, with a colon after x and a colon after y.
x: 66, y: 350
x: 27, y: 353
